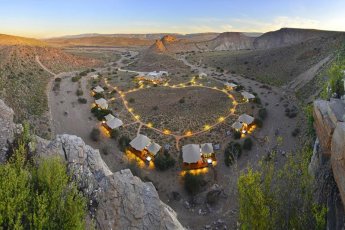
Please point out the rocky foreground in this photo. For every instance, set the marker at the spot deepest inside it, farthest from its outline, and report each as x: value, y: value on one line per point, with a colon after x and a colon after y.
x: 117, y: 200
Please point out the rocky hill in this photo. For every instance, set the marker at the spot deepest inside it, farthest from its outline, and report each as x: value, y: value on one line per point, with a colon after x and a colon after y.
x: 289, y: 36
x: 116, y: 200
x: 230, y: 41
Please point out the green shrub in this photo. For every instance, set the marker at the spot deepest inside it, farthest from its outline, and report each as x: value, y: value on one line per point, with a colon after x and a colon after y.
x: 164, y: 161
x: 124, y: 142
x: 75, y: 78
x: 114, y: 133
x: 82, y: 100
x: 100, y: 113
x: 258, y: 122
x: 237, y: 135
x: 231, y: 153
x: 98, y: 96
x: 131, y: 100
x: 193, y: 183
x: 58, y: 79
x: 263, y: 114
x: 79, y: 92
x: 295, y: 132
x: 182, y: 100
x: 95, y: 134
x: 247, y: 144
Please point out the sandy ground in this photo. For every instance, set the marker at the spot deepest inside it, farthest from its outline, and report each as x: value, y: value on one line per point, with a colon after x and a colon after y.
x: 79, y: 121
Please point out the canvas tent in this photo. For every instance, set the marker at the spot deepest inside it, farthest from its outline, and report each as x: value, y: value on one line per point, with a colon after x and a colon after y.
x: 114, y: 123
x: 246, y: 119
x: 247, y: 96
x: 102, y: 103
x: 207, y: 148
x: 98, y: 89
x: 140, y: 142
x: 191, y: 153
x: 153, y: 148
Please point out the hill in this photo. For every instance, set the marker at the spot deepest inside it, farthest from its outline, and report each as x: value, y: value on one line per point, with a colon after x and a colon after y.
x: 9, y: 40
x: 23, y: 82
x: 230, y: 41
x: 289, y: 36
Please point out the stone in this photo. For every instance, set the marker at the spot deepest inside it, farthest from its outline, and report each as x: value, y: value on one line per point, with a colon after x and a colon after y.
x: 7, y: 129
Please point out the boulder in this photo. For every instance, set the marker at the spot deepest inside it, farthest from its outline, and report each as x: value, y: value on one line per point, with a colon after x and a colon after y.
x: 7, y: 129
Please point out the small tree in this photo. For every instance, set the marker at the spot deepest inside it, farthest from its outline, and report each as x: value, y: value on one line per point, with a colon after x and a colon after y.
x: 193, y: 183
x: 164, y: 161
x: 247, y: 144
x: 95, y: 134
x: 124, y: 142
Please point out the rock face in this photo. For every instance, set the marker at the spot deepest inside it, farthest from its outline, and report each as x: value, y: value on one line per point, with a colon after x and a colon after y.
x: 330, y: 129
x: 117, y: 200
x: 231, y: 41
x: 7, y: 129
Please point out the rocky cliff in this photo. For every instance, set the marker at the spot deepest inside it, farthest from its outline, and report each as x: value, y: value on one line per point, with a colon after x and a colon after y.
x: 117, y: 200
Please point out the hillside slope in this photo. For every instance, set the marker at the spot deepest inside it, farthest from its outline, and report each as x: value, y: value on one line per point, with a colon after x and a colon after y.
x: 9, y: 40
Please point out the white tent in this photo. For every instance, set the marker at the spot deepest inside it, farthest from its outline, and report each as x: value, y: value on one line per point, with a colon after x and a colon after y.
x: 153, y: 148
x: 237, y: 125
x: 230, y: 85
x: 191, y: 153
x: 114, y: 123
x: 98, y: 89
x: 246, y: 119
x: 202, y: 75
x: 140, y: 142
x: 247, y: 95
x: 109, y: 117
x: 102, y: 103
x: 207, y: 148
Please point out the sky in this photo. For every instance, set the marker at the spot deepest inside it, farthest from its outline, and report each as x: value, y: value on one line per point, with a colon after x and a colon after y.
x: 50, y: 18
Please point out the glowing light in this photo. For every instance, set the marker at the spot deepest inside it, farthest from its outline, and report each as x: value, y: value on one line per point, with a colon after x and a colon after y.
x: 130, y: 110
x: 150, y: 125
x: 221, y: 119
x: 167, y: 131
x: 137, y: 117
x: 209, y: 161
x: 207, y: 127
x: 189, y: 133
x: 148, y: 158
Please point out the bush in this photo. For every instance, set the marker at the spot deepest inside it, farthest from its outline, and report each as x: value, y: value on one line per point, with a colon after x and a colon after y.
x: 193, y: 183
x: 58, y: 79
x: 237, y: 135
x: 164, y: 161
x: 75, y: 78
x: 79, y: 92
x: 95, y: 134
x: 131, y: 100
x: 262, y: 113
x: 295, y: 132
x: 231, y: 153
x: 182, y: 100
x: 248, y: 144
x: 124, y: 143
x: 82, y: 100
x: 98, y: 96
x: 114, y: 133
x: 257, y: 100
x: 100, y: 113
x: 258, y: 122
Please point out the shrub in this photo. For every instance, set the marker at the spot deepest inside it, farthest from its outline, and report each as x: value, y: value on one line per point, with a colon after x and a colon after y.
x: 114, y: 133
x: 124, y: 142
x: 295, y: 132
x: 248, y: 144
x: 79, y: 92
x: 164, y: 161
x: 231, y: 153
x: 262, y: 113
x: 182, y: 100
x: 100, y: 113
x: 131, y: 100
x: 98, y: 96
x: 82, y: 100
x: 155, y: 108
x: 75, y: 78
x: 58, y: 79
x: 237, y: 135
x: 193, y: 183
x: 95, y: 134
x: 258, y: 122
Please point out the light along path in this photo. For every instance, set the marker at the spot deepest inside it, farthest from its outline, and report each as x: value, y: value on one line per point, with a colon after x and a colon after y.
x: 177, y: 137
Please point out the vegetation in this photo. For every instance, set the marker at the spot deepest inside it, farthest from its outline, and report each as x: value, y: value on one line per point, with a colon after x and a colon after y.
x: 280, y: 198
x: 76, y: 78
x: 262, y: 113
x: 193, y: 183
x: 164, y: 161
x: 82, y: 100
x: 98, y: 96
x: 114, y: 133
x: 37, y: 193
x: 95, y: 134
x: 237, y: 135
x: 247, y: 144
x: 124, y: 142
x: 231, y: 153
x: 79, y: 92
x: 100, y: 113
x: 336, y: 80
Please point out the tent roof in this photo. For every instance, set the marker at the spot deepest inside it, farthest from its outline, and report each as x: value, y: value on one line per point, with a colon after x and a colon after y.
x: 237, y: 125
x: 206, y: 148
x: 154, y: 148
x: 109, y: 117
x: 114, y: 123
x: 230, y: 84
x: 98, y: 89
x: 245, y: 118
x: 247, y: 95
x: 191, y: 153
x: 101, y: 101
x: 140, y: 142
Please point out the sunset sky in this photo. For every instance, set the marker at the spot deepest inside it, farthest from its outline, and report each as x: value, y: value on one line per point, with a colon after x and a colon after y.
x: 49, y: 18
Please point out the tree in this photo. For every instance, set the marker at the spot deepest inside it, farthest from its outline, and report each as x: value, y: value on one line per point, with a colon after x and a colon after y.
x: 193, y: 183
x: 95, y: 134
x: 164, y: 161
x: 336, y: 79
x: 247, y: 144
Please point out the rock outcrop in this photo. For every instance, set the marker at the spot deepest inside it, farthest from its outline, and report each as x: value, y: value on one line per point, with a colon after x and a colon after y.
x: 116, y: 200
x: 330, y: 129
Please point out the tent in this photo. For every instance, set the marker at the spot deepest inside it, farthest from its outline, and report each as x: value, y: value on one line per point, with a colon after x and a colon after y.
x: 109, y: 117
x: 246, y: 119
x: 247, y: 95
x: 191, y: 153
x: 98, y: 89
x: 114, y: 123
x: 140, y: 142
x: 102, y: 103
x: 207, y: 148
x: 153, y: 148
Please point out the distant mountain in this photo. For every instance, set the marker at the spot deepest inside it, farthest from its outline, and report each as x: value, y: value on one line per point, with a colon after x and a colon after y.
x: 289, y: 36
x: 9, y: 40
x: 231, y: 41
